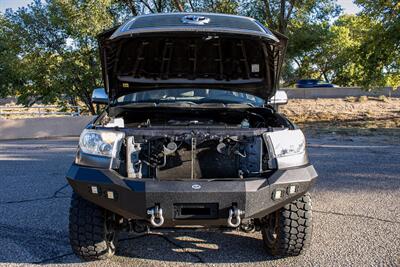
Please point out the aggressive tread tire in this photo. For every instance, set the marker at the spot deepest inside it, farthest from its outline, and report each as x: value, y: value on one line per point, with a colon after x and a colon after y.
x: 89, y: 233
x: 287, y: 232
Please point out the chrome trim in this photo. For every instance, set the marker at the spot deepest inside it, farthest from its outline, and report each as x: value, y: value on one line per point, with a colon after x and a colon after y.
x: 131, y: 32
x: 196, y: 186
x: 280, y: 98
x: 99, y: 96
x: 124, y: 28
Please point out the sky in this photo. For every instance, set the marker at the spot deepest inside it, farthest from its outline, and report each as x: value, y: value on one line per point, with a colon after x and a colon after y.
x: 14, y: 4
x: 347, y: 5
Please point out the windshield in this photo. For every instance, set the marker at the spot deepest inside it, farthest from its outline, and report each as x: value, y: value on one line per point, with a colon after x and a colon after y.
x: 196, y: 96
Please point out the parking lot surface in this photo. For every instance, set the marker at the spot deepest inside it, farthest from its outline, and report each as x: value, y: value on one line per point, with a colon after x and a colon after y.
x: 356, y: 205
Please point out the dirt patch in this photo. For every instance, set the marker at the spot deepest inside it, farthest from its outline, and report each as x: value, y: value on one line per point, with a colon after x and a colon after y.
x: 350, y: 116
x: 344, y: 110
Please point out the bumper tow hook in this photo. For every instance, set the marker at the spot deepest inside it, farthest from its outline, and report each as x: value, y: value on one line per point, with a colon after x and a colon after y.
x: 156, y: 218
x: 234, y: 214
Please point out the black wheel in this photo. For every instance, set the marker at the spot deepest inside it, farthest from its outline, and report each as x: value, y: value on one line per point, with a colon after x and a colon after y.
x: 287, y: 232
x: 92, y: 231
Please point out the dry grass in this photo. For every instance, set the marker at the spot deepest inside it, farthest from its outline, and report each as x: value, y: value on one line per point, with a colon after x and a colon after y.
x: 362, y: 99
x: 342, y: 110
x: 376, y: 115
x: 383, y: 99
x: 13, y: 111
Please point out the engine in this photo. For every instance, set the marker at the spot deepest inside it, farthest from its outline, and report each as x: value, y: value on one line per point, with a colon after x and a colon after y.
x: 204, y: 145
x: 191, y: 157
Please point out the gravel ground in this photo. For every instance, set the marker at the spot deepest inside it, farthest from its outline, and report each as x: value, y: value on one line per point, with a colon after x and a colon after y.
x: 369, y: 112
x: 356, y: 212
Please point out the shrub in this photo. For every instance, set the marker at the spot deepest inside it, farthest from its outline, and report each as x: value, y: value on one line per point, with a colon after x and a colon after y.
x: 383, y: 98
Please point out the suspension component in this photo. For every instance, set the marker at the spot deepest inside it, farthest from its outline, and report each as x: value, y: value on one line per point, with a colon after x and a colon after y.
x: 248, y: 226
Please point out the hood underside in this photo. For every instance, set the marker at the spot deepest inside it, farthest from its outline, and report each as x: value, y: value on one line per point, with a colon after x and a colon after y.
x: 214, y: 56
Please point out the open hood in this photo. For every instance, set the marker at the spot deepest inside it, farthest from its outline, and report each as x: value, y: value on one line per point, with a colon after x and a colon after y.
x: 191, y: 50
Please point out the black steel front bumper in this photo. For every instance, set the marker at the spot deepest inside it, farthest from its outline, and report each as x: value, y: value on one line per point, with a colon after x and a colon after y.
x: 133, y: 197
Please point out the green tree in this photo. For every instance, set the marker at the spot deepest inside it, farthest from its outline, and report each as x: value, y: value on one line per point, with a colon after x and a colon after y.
x: 49, y: 53
x: 353, y: 51
x: 306, y: 52
x: 330, y: 53
x: 350, y: 32
x: 282, y: 15
x: 379, y: 53
x: 358, y: 50
x: 306, y: 23
x: 9, y: 61
x: 56, y: 50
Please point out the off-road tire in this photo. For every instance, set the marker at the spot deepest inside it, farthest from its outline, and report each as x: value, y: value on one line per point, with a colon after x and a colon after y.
x: 91, y: 234
x: 287, y: 232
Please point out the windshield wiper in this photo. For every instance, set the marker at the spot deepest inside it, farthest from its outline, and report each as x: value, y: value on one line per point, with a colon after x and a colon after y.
x: 212, y: 105
x: 177, y: 104
x: 205, y: 104
x: 240, y: 105
x: 156, y: 104
x: 136, y: 105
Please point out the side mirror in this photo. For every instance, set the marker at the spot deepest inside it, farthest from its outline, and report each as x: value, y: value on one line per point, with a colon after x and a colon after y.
x: 99, y: 96
x: 280, y: 98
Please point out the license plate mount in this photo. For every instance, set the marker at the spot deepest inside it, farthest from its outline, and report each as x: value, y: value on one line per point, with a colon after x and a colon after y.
x: 194, y: 211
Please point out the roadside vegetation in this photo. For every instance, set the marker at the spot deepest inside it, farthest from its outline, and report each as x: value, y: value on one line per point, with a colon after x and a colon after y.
x: 48, y: 50
x: 350, y: 116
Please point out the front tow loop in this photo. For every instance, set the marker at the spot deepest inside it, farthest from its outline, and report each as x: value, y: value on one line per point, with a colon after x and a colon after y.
x: 234, y: 215
x: 156, y: 218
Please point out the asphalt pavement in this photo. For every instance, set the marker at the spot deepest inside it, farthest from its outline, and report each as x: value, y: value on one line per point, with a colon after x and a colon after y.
x: 356, y: 209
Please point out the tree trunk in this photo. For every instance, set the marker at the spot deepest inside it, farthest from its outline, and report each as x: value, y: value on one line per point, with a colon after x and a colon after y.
x: 268, y: 15
x: 88, y: 102
x: 191, y: 6
x: 281, y: 23
x: 131, y: 6
x: 178, y: 5
x: 325, y: 77
x: 144, y: 2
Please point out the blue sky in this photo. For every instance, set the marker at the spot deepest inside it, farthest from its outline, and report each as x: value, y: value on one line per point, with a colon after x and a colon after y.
x: 14, y: 4
x: 347, y: 5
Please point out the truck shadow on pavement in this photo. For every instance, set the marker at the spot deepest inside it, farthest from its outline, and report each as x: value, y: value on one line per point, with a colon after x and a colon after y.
x: 40, y: 246
x: 195, y: 247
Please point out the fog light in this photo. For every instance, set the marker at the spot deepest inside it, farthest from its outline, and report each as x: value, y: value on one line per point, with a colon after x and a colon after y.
x: 94, y: 189
x: 278, y: 194
x: 110, y: 194
x: 292, y: 189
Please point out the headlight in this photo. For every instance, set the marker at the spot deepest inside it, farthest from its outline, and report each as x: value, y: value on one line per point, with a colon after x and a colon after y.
x: 288, y: 147
x: 98, y: 142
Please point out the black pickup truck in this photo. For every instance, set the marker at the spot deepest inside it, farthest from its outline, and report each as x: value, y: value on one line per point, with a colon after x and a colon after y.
x: 190, y: 136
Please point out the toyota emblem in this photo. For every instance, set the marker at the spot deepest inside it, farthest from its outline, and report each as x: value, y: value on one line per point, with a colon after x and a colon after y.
x: 197, y: 20
x: 196, y: 186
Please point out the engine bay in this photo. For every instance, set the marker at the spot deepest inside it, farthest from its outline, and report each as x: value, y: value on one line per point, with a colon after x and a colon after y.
x: 191, y: 157
x: 175, y: 144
